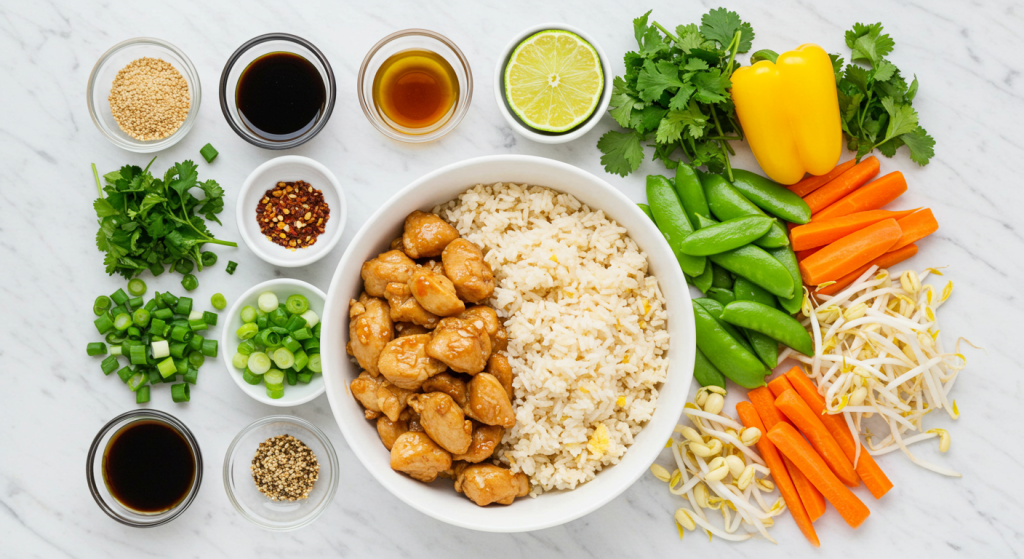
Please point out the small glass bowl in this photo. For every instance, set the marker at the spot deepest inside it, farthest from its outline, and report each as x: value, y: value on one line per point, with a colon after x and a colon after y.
x: 279, y: 516
x: 255, y: 48
x: 102, y: 78
x: 94, y: 470
x: 406, y: 40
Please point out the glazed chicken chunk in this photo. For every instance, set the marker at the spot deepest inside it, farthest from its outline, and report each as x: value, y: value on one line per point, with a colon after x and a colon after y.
x: 392, y: 266
x: 369, y: 330
x: 389, y: 431
x: 364, y: 389
x: 435, y: 293
x: 426, y: 235
x: 409, y: 329
x: 486, y: 483
x: 486, y: 319
x: 443, y: 421
x: 498, y: 366
x: 464, y: 265
x: 450, y: 385
x: 415, y: 454
x: 405, y: 307
x: 392, y: 399
x: 405, y: 363
x: 485, y: 439
x: 489, y: 403
x: 461, y: 345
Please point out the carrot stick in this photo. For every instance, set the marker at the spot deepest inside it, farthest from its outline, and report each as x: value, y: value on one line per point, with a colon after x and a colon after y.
x: 811, y: 498
x: 915, y: 227
x: 871, y: 196
x: 874, y: 478
x: 886, y: 260
x: 798, y: 412
x: 801, y: 254
x: 812, y: 183
x: 793, y: 446
x: 825, y: 231
x: 748, y: 415
x: 849, y: 253
x: 843, y: 184
x: 778, y: 385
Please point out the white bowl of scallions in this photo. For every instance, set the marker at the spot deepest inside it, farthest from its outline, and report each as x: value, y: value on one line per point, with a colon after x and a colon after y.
x: 270, y: 342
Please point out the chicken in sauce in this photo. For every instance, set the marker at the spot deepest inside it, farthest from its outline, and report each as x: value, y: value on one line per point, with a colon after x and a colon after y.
x: 426, y: 235
x: 369, y: 330
x: 464, y: 264
x: 486, y: 483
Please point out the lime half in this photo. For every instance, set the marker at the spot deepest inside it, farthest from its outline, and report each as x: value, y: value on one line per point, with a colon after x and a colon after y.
x: 553, y: 81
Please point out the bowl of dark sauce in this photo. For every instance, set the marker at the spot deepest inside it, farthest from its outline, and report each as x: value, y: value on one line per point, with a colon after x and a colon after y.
x: 144, y: 468
x: 277, y: 91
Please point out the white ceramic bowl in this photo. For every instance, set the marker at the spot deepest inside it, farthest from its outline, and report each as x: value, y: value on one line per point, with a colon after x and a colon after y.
x: 290, y: 168
x: 550, y: 137
x: 439, y: 499
x: 283, y: 287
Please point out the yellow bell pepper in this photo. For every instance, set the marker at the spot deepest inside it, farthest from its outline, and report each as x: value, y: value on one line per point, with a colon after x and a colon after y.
x: 789, y: 111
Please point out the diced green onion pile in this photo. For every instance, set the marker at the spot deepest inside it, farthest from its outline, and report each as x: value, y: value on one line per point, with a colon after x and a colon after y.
x: 280, y: 342
x: 160, y: 339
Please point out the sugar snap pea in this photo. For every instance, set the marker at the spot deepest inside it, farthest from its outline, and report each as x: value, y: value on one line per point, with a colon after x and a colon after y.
x: 704, y: 281
x: 725, y: 352
x: 746, y: 290
x: 705, y: 372
x: 722, y: 295
x: 671, y: 219
x: 726, y: 235
x: 770, y: 322
x: 771, y: 197
x: 715, y: 308
x: 787, y: 258
x: 720, y: 277
x: 647, y: 210
x: 726, y: 202
x: 691, y: 193
x: 758, y: 266
x: 765, y: 348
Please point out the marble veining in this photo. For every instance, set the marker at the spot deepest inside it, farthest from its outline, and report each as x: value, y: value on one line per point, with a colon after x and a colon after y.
x: 54, y: 398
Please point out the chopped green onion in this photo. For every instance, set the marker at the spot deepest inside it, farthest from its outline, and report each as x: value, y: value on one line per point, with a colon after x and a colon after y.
x: 103, y: 323
x: 197, y: 324
x: 292, y: 377
x: 267, y: 302
x: 150, y: 306
x: 137, y: 380
x: 275, y: 393
x: 169, y: 300
x: 296, y: 322
x: 156, y: 268
x: 296, y: 304
x: 250, y: 377
x: 301, y: 360
x: 164, y: 314
x: 177, y: 349
x: 189, y: 282
x: 116, y: 337
x: 136, y: 286
x: 290, y: 343
x: 247, y: 347
x: 259, y: 362
x: 261, y: 321
x: 137, y: 354
x: 284, y: 358
x: 160, y: 349
x: 273, y: 377
x: 239, y: 361
x: 115, y: 350
x: 311, y: 346
x: 119, y: 297
x: 208, y: 153
x: 101, y: 305
x: 155, y: 376
x: 316, y: 330
x: 140, y: 317
x: 181, y: 366
x: 248, y: 314
x: 304, y: 378
x: 208, y: 258
x: 134, y: 333
x: 142, y: 394
x: 184, y: 306
x: 166, y: 367
x: 179, y: 392
x: 302, y: 334
x: 109, y: 365
x: 125, y: 373
x: 183, y: 266
x: 210, y: 348
x: 247, y: 331
x: 268, y: 338
x: 191, y: 375
x: 210, y: 318
x: 314, y: 363
x: 218, y: 301
x: 181, y: 333
x: 279, y: 317
x: 96, y: 348
x: 157, y: 324
x: 231, y: 267
x: 134, y: 303
x: 196, y: 359
x: 311, y: 318
x: 196, y: 343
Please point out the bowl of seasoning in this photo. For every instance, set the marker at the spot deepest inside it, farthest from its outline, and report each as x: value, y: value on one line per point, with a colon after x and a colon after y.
x: 281, y: 472
x: 277, y: 91
x: 291, y: 211
x: 415, y: 85
x: 144, y: 94
x: 144, y: 468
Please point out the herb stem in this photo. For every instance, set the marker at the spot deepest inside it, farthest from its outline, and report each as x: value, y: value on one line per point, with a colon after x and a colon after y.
x: 666, y: 32
x: 96, y: 176
x: 726, y: 148
x: 734, y: 46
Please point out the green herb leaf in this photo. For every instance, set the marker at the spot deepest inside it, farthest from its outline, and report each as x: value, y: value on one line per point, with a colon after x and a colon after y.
x: 655, y: 78
x: 721, y: 25
x: 922, y: 146
x: 902, y: 118
x: 622, y: 152
x: 868, y: 43
x: 712, y: 87
x: 672, y: 126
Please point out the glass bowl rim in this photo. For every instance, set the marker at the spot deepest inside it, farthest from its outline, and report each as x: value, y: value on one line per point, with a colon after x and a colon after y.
x: 248, y: 136
x: 332, y: 456
x: 367, y: 104
x: 160, y: 416
x: 139, y: 146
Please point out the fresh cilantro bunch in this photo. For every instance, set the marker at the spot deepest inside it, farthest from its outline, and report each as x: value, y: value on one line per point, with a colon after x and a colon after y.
x: 676, y: 89
x: 875, y: 102
x: 147, y: 222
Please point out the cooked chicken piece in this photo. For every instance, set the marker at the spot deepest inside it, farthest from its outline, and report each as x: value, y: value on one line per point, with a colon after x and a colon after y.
x: 435, y: 266
x: 435, y: 293
x: 364, y: 388
x: 391, y: 266
x: 389, y: 430
x: 443, y: 420
x: 396, y: 244
x: 414, y: 421
x: 369, y: 330
x: 486, y: 319
x: 426, y: 235
x: 416, y: 454
x: 405, y: 307
x: 404, y: 362
x: 486, y: 483
x: 459, y: 344
x: 409, y: 329
x: 498, y: 366
x: 464, y: 265
x: 485, y: 439
x: 392, y: 399
x: 450, y: 385
x: 489, y: 403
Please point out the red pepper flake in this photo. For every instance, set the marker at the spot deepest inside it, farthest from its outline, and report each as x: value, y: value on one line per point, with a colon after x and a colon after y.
x: 293, y: 214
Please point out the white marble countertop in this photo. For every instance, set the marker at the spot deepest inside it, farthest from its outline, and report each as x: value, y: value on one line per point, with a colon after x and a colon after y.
x: 54, y: 398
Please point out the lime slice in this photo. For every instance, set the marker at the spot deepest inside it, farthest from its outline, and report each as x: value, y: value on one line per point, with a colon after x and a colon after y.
x: 553, y: 81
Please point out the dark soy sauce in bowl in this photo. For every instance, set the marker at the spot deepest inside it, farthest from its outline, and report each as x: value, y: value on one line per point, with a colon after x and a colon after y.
x: 148, y: 467
x: 280, y: 96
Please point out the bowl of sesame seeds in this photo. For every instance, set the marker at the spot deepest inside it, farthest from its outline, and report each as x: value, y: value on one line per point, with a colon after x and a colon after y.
x: 144, y: 94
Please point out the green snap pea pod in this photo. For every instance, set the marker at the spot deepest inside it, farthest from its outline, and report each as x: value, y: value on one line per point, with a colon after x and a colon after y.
x: 746, y: 290
x: 766, y: 348
x: 720, y: 277
x: 770, y: 322
x: 715, y: 308
x: 726, y: 235
x: 704, y: 281
x: 722, y: 295
x: 759, y: 267
x: 691, y: 193
x: 771, y: 197
x: 671, y: 219
x: 787, y: 258
x: 647, y: 210
x: 727, y: 203
x: 705, y: 372
x: 725, y: 352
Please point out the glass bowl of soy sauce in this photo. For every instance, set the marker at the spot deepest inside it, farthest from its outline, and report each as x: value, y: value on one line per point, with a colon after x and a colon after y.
x: 277, y: 91
x: 144, y: 468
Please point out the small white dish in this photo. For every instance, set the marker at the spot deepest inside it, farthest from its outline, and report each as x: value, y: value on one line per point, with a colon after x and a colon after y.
x: 283, y: 287
x: 550, y: 137
x: 290, y: 168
